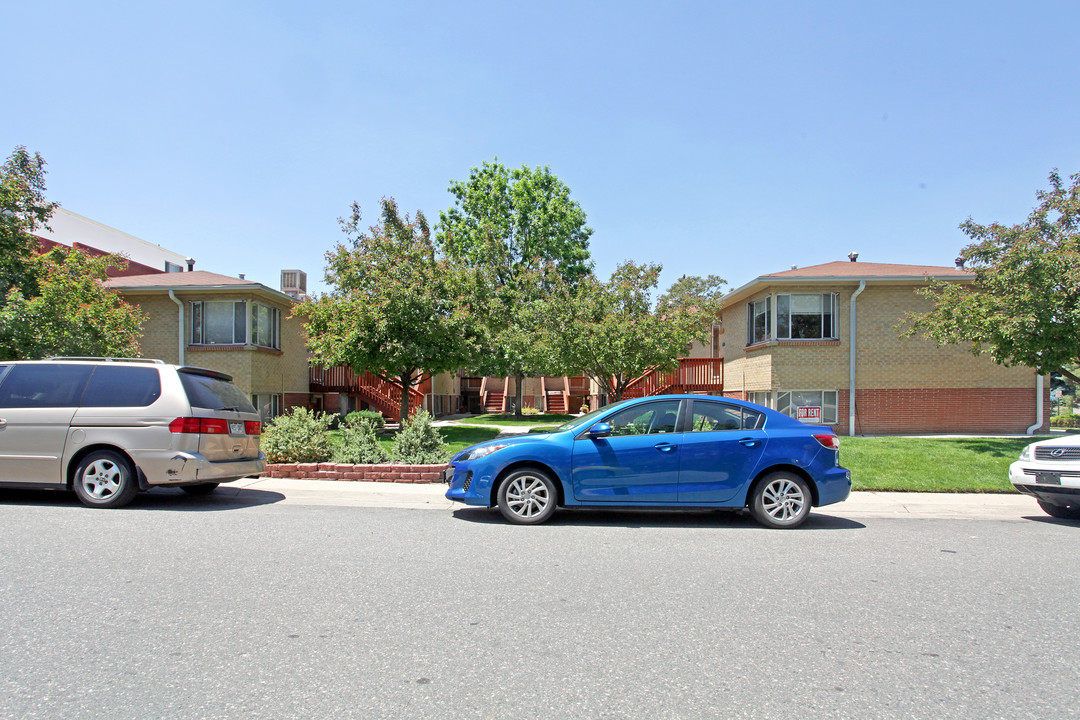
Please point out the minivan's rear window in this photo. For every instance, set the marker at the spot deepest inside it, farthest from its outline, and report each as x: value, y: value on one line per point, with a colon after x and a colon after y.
x: 120, y: 386
x: 43, y: 386
x: 211, y: 393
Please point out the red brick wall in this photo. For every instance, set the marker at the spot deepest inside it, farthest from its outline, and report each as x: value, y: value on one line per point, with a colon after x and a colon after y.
x: 948, y: 410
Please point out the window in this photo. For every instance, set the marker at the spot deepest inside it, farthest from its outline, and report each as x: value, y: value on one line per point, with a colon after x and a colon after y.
x: 225, y: 322
x: 714, y: 416
x: 760, y: 397
x: 118, y: 386
x: 647, y: 419
x: 213, y: 392
x: 817, y: 406
x: 173, y: 267
x: 218, y: 322
x: 268, y: 405
x: 758, y: 321
x: 44, y: 386
x: 805, y: 317
x: 265, y: 322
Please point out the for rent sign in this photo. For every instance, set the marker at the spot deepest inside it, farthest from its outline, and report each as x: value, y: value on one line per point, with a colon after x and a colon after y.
x: 809, y: 413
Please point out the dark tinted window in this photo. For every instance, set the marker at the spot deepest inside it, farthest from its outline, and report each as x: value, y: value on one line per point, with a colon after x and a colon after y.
x: 117, y: 386
x: 211, y: 393
x: 647, y: 419
x: 45, y: 385
x: 714, y: 416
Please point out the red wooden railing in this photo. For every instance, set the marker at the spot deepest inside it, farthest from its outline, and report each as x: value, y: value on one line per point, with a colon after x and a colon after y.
x: 381, y: 394
x: 692, y: 375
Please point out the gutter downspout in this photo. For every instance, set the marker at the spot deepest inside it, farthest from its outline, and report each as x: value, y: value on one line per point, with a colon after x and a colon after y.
x: 851, y: 358
x: 180, y: 334
x: 1038, y: 406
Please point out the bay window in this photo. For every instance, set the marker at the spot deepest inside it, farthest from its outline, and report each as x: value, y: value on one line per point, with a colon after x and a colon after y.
x: 235, y: 322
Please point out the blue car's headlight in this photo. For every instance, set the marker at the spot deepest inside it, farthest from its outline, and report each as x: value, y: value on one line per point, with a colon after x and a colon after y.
x: 480, y: 452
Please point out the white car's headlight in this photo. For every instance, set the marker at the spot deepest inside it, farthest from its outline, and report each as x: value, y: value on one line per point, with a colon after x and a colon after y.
x: 481, y: 452
x: 1027, y: 452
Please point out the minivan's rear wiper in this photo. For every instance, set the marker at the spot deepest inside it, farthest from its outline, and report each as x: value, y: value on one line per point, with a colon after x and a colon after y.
x: 234, y: 408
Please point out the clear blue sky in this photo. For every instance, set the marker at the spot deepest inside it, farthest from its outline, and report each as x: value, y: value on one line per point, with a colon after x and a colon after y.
x: 732, y: 138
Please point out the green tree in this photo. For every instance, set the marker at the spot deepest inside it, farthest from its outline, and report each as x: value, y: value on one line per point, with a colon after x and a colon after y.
x: 23, y: 209
x: 516, y: 227
x: 396, y: 308
x: 73, y: 313
x: 612, y: 332
x: 1023, y: 307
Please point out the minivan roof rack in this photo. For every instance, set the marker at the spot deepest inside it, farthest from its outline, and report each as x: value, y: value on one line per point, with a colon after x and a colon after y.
x: 108, y: 359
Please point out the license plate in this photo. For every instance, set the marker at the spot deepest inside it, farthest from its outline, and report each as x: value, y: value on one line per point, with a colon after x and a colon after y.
x: 236, y: 428
x: 1048, y: 478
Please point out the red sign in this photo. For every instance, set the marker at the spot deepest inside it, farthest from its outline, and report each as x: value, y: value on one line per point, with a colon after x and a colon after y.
x: 809, y: 413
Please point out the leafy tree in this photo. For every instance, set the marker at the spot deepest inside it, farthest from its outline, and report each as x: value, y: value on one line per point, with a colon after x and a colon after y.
x: 612, y: 332
x: 518, y: 227
x: 73, y: 313
x: 692, y: 291
x: 1024, y: 304
x: 396, y: 308
x: 23, y: 209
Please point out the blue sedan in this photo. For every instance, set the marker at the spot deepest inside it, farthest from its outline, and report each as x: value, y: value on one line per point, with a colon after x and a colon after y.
x: 667, y: 451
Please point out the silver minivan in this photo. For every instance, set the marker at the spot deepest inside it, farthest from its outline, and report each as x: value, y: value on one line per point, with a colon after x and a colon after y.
x: 107, y: 428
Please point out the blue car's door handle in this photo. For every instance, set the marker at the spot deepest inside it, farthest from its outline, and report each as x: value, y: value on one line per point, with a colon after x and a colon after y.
x: 665, y: 447
x: 749, y: 442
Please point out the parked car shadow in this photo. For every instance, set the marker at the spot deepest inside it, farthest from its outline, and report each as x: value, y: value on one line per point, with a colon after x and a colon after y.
x: 599, y: 517
x: 174, y: 499
x: 1051, y: 520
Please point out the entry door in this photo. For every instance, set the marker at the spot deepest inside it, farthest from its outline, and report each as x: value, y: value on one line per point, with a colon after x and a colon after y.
x: 721, y: 451
x: 37, y: 402
x: 638, y: 462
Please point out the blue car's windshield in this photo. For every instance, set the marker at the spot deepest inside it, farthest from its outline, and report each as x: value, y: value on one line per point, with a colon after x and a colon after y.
x: 588, y: 418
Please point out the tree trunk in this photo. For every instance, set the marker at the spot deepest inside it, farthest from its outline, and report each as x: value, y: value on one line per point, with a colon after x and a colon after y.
x: 519, y: 393
x: 406, y: 382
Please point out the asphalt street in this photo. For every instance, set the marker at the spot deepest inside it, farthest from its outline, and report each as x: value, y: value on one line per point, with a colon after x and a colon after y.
x: 259, y: 602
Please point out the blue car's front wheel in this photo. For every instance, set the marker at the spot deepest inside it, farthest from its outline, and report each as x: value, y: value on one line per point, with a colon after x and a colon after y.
x: 527, y: 497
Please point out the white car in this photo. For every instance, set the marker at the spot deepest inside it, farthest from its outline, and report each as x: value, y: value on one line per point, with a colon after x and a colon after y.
x: 1050, y: 471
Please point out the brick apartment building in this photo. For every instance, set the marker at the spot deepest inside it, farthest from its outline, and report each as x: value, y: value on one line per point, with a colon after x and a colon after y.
x: 789, y: 342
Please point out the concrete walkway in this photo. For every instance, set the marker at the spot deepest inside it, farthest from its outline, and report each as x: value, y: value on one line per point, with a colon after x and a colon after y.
x: 430, y: 497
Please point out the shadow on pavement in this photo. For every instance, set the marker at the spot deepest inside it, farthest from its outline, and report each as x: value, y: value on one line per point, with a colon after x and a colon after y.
x: 174, y: 499
x: 1046, y: 519
x: 621, y: 517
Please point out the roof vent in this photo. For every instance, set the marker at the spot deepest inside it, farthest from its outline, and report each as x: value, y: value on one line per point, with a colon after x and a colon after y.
x: 853, y: 256
x: 959, y: 263
x: 794, y: 267
x: 242, y: 276
x: 190, y: 264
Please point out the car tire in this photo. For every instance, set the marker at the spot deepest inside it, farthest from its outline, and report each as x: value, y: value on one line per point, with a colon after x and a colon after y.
x: 105, y: 479
x: 201, y: 489
x: 1065, y: 512
x: 527, y: 497
x: 781, y: 500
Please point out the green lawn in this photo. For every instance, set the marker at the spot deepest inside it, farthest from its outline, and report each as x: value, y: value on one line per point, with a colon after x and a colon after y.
x: 931, y: 464
x: 511, y: 421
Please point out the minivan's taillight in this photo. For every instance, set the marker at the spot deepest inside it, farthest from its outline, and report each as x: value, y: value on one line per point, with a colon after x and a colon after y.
x: 209, y: 426
x: 253, y: 427
x: 828, y: 440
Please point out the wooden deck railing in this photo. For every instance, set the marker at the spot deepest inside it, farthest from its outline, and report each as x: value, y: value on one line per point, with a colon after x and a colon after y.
x: 385, y: 396
x: 692, y: 375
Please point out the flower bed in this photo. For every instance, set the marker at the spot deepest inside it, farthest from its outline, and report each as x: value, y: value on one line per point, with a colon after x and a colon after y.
x: 369, y: 473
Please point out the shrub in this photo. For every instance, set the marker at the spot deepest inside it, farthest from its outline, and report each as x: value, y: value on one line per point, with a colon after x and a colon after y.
x: 1066, y: 421
x: 299, y: 436
x: 419, y: 442
x: 374, y: 417
x: 529, y: 410
x: 358, y: 442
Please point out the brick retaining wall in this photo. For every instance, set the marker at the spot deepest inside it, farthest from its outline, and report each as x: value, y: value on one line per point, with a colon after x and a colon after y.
x: 348, y: 472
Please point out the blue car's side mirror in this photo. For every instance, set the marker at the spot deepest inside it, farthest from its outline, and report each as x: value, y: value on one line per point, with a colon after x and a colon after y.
x: 599, y: 430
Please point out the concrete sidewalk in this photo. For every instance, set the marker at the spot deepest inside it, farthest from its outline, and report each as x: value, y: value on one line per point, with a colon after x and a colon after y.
x: 430, y: 497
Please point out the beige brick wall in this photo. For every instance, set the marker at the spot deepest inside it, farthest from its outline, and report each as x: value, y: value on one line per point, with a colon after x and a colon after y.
x: 884, y: 358
x: 254, y: 370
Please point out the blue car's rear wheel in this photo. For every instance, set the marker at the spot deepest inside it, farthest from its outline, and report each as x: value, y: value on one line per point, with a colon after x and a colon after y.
x: 781, y: 500
x: 527, y: 497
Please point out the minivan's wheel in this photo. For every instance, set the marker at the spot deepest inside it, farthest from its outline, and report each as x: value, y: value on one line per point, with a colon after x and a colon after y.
x: 203, y: 489
x: 781, y: 500
x: 1066, y: 512
x: 105, y: 479
x: 527, y: 497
